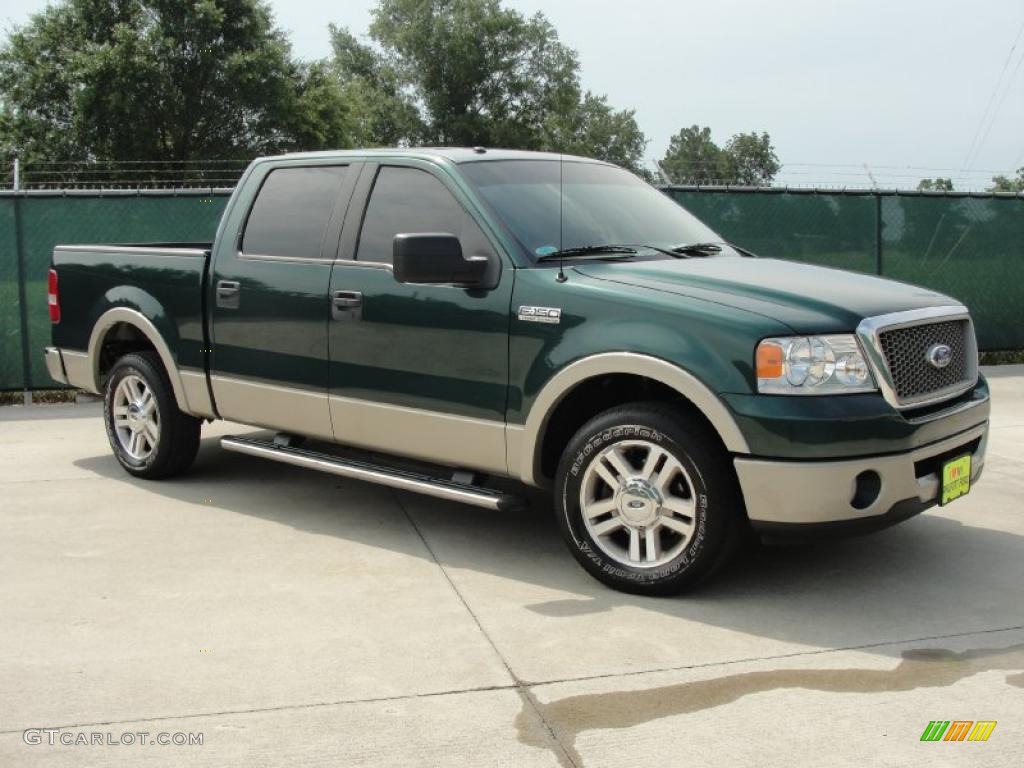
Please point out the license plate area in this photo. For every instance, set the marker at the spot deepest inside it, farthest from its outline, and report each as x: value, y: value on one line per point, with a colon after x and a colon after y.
x: 955, y: 479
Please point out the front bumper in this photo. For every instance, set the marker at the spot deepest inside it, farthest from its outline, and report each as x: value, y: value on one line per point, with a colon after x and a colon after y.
x: 791, y: 496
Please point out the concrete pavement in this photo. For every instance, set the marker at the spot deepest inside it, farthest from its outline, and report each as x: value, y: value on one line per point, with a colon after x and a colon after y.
x: 296, y: 618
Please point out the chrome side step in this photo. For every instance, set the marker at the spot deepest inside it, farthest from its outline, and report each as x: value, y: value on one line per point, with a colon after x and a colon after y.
x: 372, y: 473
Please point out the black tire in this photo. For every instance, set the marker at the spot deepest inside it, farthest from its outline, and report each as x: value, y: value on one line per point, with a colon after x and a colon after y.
x: 178, y: 435
x: 708, y: 480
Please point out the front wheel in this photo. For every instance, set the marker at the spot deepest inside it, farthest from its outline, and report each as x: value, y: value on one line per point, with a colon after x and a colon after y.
x: 646, y: 499
x: 151, y: 437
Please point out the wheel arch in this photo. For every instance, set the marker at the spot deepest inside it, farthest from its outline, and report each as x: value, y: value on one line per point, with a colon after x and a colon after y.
x: 526, y: 443
x: 111, y: 319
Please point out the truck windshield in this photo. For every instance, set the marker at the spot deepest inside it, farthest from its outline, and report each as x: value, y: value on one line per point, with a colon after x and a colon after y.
x: 601, y: 204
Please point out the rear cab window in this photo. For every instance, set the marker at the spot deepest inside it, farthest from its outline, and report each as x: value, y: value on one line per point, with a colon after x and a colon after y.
x: 291, y: 212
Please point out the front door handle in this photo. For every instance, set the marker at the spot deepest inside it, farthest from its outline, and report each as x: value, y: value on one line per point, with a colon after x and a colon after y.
x: 347, y: 305
x: 227, y: 294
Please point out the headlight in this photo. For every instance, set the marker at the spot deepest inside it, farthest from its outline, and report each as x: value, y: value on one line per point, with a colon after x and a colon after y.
x: 812, y: 365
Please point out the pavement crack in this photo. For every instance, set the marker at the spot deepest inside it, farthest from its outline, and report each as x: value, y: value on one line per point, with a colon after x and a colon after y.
x: 567, y: 756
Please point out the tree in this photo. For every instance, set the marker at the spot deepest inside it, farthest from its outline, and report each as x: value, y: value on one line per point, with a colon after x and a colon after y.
x: 937, y: 184
x: 694, y: 158
x: 162, y: 80
x: 386, y: 114
x: 750, y: 159
x: 1004, y: 184
x: 470, y: 72
x: 595, y: 129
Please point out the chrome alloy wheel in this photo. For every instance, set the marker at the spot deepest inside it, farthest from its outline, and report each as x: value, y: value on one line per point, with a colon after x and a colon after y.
x: 638, y: 504
x: 136, y: 419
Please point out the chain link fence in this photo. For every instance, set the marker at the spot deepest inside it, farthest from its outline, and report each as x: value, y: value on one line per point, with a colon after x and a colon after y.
x: 32, y: 223
x: 968, y: 246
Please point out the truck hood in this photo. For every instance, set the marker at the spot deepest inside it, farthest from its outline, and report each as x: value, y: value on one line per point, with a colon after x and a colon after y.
x: 807, y: 298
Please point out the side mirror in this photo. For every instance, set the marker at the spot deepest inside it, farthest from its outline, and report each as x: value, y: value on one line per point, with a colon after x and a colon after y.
x: 435, y: 259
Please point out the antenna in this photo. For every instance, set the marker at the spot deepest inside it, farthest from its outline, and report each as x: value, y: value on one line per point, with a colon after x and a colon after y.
x: 560, y: 277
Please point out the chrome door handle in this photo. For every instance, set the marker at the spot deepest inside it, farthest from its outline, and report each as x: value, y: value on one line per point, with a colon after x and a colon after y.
x: 347, y: 305
x: 348, y: 299
x: 228, y: 293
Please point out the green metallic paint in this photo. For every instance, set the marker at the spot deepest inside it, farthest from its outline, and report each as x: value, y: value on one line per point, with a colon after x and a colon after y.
x: 781, y: 426
x: 434, y: 347
x: 278, y: 333
x: 92, y: 283
x: 711, y: 341
x: 806, y: 298
x: 466, y: 353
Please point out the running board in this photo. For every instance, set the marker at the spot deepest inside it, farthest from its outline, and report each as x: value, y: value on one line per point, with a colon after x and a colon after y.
x: 373, y: 473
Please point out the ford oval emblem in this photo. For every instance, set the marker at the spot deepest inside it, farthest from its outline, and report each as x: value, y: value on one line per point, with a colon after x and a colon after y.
x: 939, y: 355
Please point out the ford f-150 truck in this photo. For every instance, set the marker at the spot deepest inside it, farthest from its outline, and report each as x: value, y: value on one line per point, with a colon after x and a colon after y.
x: 484, y: 315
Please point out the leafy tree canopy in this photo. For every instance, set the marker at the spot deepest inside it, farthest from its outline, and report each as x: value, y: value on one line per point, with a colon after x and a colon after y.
x: 938, y: 184
x: 470, y: 72
x: 162, y: 80
x: 1005, y: 184
x: 694, y: 158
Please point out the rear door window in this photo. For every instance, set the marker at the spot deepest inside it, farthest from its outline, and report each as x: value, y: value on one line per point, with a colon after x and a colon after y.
x: 408, y: 201
x: 291, y: 212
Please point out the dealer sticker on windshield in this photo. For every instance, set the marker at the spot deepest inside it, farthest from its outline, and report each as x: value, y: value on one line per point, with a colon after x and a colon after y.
x: 956, y: 479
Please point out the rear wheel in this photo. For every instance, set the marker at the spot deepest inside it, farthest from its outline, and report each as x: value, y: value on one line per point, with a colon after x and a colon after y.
x: 151, y: 437
x: 646, y: 499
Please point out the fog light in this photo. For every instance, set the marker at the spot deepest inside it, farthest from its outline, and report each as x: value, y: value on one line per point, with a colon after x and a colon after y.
x: 866, y: 487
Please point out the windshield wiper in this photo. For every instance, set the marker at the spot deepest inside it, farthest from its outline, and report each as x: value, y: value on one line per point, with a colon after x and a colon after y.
x: 617, y: 251
x: 696, y: 249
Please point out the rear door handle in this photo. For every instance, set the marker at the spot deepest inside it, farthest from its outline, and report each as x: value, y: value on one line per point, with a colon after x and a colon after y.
x: 227, y: 294
x: 347, y: 305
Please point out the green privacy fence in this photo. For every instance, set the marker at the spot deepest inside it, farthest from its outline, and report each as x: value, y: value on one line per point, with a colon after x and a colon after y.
x: 32, y: 223
x: 968, y: 246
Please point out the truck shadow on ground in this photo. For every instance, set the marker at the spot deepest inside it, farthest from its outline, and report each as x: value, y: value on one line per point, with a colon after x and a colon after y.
x: 832, y: 593
x: 928, y: 579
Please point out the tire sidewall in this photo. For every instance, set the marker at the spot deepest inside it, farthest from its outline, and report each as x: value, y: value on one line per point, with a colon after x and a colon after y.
x: 698, y: 555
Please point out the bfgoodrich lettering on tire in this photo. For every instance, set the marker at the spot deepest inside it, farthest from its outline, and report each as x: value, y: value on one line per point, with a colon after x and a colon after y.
x: 151, y: 437
x: 646, y: 499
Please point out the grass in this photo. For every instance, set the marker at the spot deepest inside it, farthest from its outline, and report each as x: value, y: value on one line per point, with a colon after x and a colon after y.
x: 40, y: 396
x: 1004, y: 357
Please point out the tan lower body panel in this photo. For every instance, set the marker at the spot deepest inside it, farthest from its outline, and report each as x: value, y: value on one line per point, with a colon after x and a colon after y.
x: 79, y: 369
x: 197, y: 394
x: 266, y: 405
x: 821, y: 491
x: 441, y: 438
x: 54, y: 365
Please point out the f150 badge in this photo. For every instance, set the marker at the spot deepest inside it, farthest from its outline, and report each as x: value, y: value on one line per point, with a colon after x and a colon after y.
x: 540, y: 314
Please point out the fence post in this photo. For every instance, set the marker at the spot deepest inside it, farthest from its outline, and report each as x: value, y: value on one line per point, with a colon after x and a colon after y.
x: 878, y: 232
x: 19, y: 252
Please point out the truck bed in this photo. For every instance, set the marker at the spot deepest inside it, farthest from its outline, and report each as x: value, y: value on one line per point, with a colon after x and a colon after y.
x: 163, y: 281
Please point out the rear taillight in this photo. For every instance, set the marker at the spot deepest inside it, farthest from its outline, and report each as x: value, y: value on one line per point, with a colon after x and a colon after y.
x: 52, y: 297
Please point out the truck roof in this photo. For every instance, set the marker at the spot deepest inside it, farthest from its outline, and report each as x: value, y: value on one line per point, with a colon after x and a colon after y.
x: 451, y: 154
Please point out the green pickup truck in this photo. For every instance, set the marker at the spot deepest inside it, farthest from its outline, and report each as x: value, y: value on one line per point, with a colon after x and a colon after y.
x: 478, y: 316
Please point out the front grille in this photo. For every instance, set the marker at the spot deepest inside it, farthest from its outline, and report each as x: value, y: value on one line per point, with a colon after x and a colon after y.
x: 906, y: 354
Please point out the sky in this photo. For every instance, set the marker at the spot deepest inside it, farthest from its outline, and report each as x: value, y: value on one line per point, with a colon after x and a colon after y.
x: 905, y: 87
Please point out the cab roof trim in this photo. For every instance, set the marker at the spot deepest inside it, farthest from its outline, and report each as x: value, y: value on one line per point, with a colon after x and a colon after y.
x: 435, y: 154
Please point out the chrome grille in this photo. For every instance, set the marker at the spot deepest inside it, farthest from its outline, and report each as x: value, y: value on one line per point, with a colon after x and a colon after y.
x: 906, y: 353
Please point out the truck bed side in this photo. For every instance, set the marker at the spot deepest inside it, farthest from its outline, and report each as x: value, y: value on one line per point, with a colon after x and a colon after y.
x: 118, y: 297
